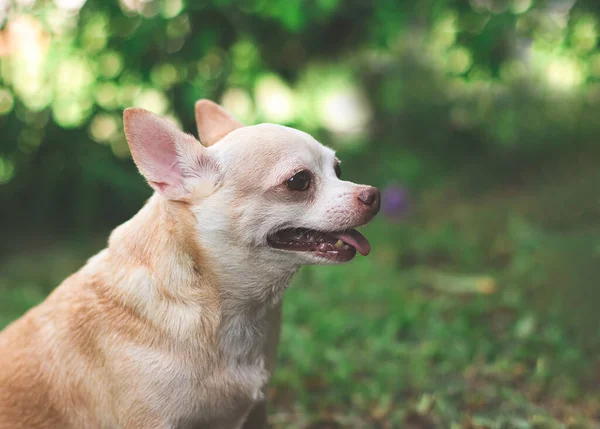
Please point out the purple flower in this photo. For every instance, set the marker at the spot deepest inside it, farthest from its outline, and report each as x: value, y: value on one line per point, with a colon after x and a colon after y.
x: 395, y: 201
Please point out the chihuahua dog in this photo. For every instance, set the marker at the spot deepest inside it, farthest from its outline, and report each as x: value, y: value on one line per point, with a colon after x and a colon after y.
x: 175, y: 324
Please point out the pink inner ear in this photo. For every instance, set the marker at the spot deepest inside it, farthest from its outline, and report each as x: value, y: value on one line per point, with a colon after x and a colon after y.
x: 153, y: 142
x: 159, y: 186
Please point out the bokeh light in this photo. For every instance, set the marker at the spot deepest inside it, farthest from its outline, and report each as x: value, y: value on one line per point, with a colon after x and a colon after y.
x: 153, y: 100
x: 344, y: 110
x: 274, y: 99
x: 7, y: 170
x: 103, y: 127
x: 239, y: 103
x: 6, y: 102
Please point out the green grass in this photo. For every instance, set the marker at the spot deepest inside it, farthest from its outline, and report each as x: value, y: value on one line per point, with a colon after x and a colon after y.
x: 470, y: 314
x: 477, y: 312
x: 374, y: 345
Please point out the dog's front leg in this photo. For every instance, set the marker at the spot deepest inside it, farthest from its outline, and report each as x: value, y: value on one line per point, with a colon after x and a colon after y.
x: 257, y: 419
x: 258, y: 416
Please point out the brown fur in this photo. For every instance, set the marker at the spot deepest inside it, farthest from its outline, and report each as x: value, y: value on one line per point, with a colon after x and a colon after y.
x: 40, y: 384
x: 175, y: 324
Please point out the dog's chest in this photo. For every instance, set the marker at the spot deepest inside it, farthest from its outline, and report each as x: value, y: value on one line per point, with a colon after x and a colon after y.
x: 219, y: 399
x: 203, y: 388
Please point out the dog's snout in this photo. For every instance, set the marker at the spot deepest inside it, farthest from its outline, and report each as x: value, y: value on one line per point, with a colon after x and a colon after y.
x: 370, y: 197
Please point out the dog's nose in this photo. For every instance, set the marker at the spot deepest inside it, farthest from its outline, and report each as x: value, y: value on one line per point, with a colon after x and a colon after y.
x: 370, y: 197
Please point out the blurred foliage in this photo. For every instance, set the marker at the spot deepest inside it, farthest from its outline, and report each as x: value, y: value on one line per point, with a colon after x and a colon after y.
x: 432, y: 82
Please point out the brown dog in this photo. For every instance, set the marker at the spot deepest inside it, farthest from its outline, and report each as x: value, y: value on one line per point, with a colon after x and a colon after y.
x: 175, y: 324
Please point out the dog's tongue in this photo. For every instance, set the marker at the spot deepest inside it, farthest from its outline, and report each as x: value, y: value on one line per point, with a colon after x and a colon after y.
x: 356, y: 240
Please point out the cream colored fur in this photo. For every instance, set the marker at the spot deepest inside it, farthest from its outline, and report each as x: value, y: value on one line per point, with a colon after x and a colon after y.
x: 175, y: 324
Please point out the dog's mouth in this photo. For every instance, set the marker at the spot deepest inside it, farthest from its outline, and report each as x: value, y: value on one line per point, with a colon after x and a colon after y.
x: 338, y: 246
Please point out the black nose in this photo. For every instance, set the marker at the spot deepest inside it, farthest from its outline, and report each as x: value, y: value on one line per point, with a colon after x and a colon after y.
x: 370, y: 197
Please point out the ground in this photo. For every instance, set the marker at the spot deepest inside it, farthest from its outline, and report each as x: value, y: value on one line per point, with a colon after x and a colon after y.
x: 476, y: 310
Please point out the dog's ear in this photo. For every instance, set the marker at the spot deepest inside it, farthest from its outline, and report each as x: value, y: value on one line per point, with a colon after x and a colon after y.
x: 213, y: 122
x: 167, y: 157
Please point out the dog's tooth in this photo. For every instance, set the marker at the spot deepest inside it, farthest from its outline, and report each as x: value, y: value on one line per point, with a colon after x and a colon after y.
x: 339, y: 244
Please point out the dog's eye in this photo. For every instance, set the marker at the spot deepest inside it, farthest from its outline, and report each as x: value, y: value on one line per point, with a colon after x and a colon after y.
x: 338, y: 170
x: 299, y: 181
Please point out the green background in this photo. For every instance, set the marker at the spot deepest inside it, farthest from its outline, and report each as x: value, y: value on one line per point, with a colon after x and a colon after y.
x: 478, y: 119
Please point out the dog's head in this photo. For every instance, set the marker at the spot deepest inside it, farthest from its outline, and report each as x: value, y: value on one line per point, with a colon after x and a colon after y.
x: 266, y: 189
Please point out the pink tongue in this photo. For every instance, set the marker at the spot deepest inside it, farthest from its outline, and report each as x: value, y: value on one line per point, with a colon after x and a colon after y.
x: 355, y: 239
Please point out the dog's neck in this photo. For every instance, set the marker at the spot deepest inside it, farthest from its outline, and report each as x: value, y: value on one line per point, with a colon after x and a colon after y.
x: 163, y: 273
